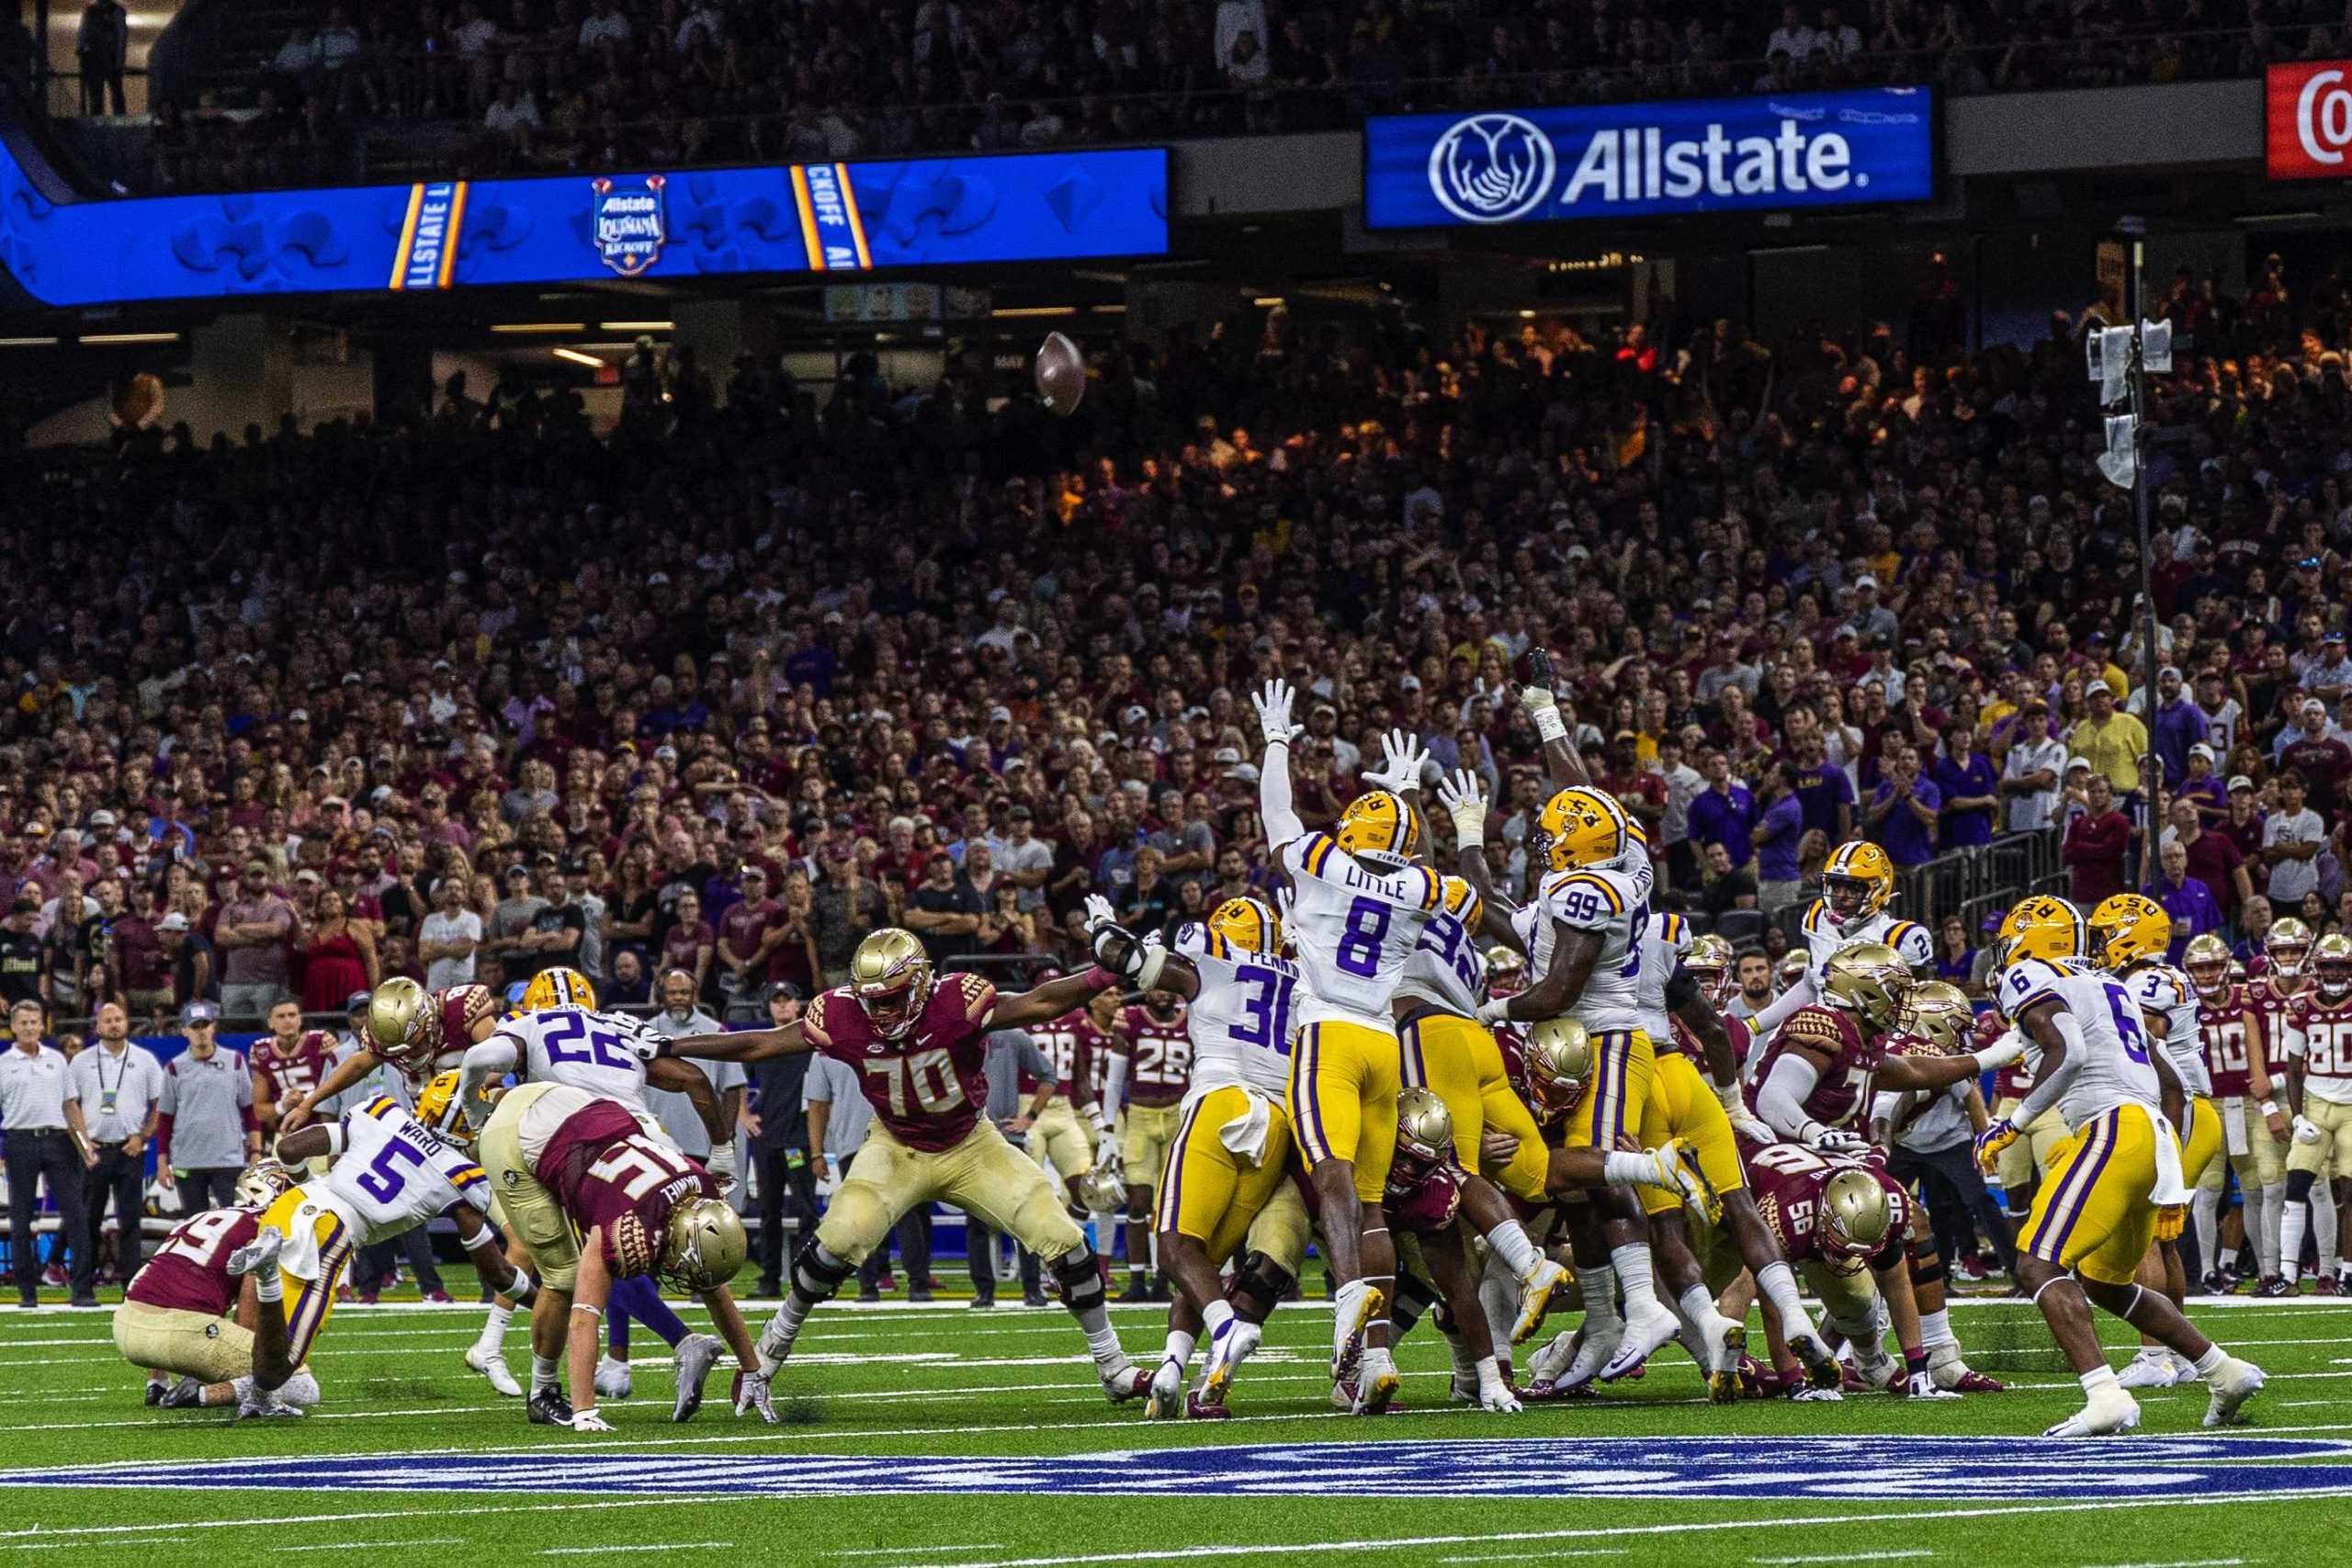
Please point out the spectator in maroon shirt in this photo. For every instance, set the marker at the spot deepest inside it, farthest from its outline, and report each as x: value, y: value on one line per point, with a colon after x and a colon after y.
x: 2243, y: 825
x: 2094, y: 845
x: 2212, y: 858
x: 2324, y: 762
x: 748, y: 932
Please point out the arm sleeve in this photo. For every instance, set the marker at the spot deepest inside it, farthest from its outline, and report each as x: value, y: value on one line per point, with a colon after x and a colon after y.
x: 1781, y: 1101
x: 2050, y: 1085
x: 1283, y: 823
x: 1114, y: 1084
x: 1787, y: 1002
x: 494, y: 1057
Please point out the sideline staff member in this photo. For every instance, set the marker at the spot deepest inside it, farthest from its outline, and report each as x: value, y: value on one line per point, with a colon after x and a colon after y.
x: 44, y: 1139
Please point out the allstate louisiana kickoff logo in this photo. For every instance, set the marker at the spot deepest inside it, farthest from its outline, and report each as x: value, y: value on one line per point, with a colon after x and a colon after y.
x: 629, y: 223
x: 1492, y: 168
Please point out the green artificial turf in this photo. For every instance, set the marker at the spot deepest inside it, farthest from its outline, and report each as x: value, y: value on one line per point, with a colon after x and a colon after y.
x: 884, y: 1402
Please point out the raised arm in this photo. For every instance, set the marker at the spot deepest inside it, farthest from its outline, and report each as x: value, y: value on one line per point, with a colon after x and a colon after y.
x: 1562, y: 763
x: 685, y: 1078
x: 485, y: 1063
x: 1467, y: 808
x: 1282, y: 820
x: 748, y: 1046
x: 1043, y: 1004
x: 1144, y: 963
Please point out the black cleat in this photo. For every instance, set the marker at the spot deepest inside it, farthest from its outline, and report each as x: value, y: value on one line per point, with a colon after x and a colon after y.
x: 549, y: 1407
x: 155, y: 1393
x: 185, y: 1394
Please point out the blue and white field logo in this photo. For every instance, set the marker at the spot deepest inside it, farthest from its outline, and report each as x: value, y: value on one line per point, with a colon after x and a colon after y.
x: 1491, y: 168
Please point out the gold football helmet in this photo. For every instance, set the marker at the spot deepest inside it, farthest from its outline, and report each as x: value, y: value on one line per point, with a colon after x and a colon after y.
x: 1102, y: 1188
x: 2128, y: 928
x: 701, y: 1245
x: 438, y: 1107
x: 2286, y: 945
x: 1559, y: 1062
x: 2206, y: 959
x: 1424, y: 1131
x: 404, y: 1024
x: 2331, y: 964
x: 2040, y: 927
x: 1869, y: 978
x: 1711, y: 961
x: 1249, y: 924
x: 559, y: 988
x: 263, y: 1183
x: 1506, y: 971
x: 1855, y: 1218
x: 1939, y: 1013
x: 890, y: 977
x: 1579, y: 826
x: 1857, y: 881
x: 1793, y: 965
x: 1381, y: 826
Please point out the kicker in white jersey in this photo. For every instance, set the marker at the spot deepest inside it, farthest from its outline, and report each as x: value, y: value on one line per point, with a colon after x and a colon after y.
x: 1616, y: 905
x: 1241, y: 1015
x: 2115, y: 1069
x: 1354, y: 929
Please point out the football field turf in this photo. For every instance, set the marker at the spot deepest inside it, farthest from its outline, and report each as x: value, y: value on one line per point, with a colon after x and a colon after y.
x: 920, y: 1438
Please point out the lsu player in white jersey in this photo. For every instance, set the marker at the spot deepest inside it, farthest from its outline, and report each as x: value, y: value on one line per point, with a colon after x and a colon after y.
x: 1226, y: 1184
x: 1358, y: 905
x: 1857, y: 884
x: 2131, y: 934
x: 2094, y: 1216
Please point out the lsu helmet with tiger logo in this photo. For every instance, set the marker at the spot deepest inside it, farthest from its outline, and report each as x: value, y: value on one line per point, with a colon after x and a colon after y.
x: 1858, y: 880
x: 1249, y: 924
x: 438, y: 1106
x: 559, y: 988
x: 1381, y: 826
x: 2128, y: 928
x: 2043, y: 927
x: 1578, y: 827
x: 892, y: 978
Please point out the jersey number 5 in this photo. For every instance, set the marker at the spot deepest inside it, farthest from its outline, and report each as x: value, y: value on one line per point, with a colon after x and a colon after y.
x: 383, y: 1178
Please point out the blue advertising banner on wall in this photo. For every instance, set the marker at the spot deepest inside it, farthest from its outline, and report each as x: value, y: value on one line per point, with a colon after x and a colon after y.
x: 458, y: 235
x: 1770, y: 152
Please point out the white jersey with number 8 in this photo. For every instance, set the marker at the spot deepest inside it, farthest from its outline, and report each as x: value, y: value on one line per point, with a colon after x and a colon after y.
x: 1356, y: 930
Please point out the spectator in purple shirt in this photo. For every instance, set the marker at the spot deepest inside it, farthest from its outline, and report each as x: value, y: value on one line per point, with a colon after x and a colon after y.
x: 1902, y: 815
x: 1777, y: 830
x: 1724, y: 812
x: 1971, y: 786
x: 2178, y: 725
x: 2190, y: 903
x: 1824, y: 791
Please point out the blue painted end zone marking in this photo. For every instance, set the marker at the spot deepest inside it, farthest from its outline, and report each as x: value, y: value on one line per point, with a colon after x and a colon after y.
x: 1846, y: 1469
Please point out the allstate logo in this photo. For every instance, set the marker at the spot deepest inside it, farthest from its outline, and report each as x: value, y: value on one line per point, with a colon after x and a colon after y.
x: 1491, y: 168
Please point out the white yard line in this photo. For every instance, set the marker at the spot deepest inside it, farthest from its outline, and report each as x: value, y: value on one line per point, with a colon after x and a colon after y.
x: 902, y: 1550
x: 649, y: 1546
x: 2191, y: 1563
x: 1843, y: 1557
x: 362, y: 1545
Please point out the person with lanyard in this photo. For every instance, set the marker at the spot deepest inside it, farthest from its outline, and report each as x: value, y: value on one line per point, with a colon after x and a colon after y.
x: 117, y: 1084
x: 44, y: 1141
x: 206, y: 1131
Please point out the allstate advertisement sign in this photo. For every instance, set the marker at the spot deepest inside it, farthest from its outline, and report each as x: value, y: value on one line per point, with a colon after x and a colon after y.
x: 1770, y: 152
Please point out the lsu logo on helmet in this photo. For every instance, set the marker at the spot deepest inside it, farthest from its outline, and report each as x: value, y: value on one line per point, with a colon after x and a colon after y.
x: 1858, y: 880
x: 1248, y: 924
x: 1381, y: 826
x: 2128, y: 928
x: 559, y: 988
x: 1580, y: 827
x: 2041, y: 926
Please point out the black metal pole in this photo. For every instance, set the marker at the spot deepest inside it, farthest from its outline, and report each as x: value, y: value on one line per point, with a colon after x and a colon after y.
x: 2136, y: 230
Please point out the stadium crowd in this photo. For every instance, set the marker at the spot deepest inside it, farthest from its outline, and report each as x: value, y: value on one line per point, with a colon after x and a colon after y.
x: 604, y: 84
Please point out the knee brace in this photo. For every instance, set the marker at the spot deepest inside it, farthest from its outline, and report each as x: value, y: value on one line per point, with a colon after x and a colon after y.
x: 817, y: 1273
x: 2299, y: 1184
x: 1927, y: 1266
x: 1415, y: 1296
x: 1080, y: 1280
x: 1260, y: 1282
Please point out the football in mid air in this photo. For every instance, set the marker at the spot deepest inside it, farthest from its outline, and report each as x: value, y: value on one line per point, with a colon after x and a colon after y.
x: 1061, y: 374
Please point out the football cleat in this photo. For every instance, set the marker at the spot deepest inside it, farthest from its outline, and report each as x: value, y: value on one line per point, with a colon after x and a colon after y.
x: 612, y: 1380
x: 1536, y: 1292
x: 1357, y: 1400
x: 1228, y: 1350
x: 2272, y: 1287
x: 2151, y: 1368
x: 697, y: 1353
x: 259, y: 1407
x: 185, y: 1394
x: 1645, y: 1332
x: 1921, y: 1385
x: 1593, y: 1351
x: 1821, y: 1367
x: 1877, y: 1368
x: 2232, y: 1382
x: 1548, y: 1362
x: 548, y: 1407
x: 1756, y: 1381
x: 1125, y: 1382
x: 1166, y: 1400
x: 1729, y: 1342
x: 1970, y: 1380
x: 1813, y: 1393
x: 2324, y: 1285
x: 2110, y: 1411
x: 1355, y: 1309
x: 156, y: 1389
x: 491, y: 1364
x: 1376, y: 1391
x: 1200, y: 1407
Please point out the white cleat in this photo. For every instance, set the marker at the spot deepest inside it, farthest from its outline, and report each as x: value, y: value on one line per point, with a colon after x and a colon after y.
x: 1645, y: 1332
x: 1355, y: 1309
x: 1166, y: 1400
x: 1727, y: 1341
x: 1228, y: 1350
x: 2149, y: 1368
x: 2232, y: 1382
x: 1536, y: 1292
x: 1875, y: 1366
x: 1812, y: 1395
x: 2110, y: 1411
x: 1595, y: 1352
x: 1548, y: 1363
x: 697, y: 1353
x: 613, y: 1381
x: 1124, y: 1381
x: 2184, y: 1370
x: 258, y: 1255
x: 491, y: 1364
x: 1374, y: 1388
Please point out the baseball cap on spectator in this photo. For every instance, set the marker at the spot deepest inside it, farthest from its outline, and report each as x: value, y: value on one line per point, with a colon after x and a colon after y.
x: 175, y: 921
x: 2240, y: 781
x: 1246, y: 771
x: 999, y: 716
x: 1409, y: 683
x: 2332, y: 636
x: 2082, y: 762
x: 102, y: 818
x: 1866, y: 581
x: 1135, y: 714
x: 197, y: 1011
x: 299, y: 715
x: 783, y: 988
x: 358, y: 1001
x: 1226, y: 756
x: 2098, y: 688
x: 518, y: 870
x: 2313, y: 705
x: 2201, y: 750
x: 309, y: 873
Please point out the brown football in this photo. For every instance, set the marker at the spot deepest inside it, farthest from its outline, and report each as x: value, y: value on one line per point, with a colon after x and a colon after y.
x: 1061, y: 374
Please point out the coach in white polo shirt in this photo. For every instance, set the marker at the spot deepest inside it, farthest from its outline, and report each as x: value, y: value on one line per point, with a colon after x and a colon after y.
x: 206, y: 1132
x: 117, y: 1084
x: 40, y: 1123
x: 678, y: 1019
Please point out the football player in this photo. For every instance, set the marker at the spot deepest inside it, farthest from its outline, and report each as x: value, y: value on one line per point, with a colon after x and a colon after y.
x: 2286, y: 949
x: 195, y: 1308
x: 1154, y: 1064
x: 599, y: 1194
x: 918, y: 1043
x: 1582, y: 936
x: 1713, y: 966
x: 2093, y: 1218
x: 1857, y: 884
x: 2319, y: 1091
x: 2131, y: 934
x: 1358, y: 905
x: 1226, y: 1185
x: 2222, y: 1022
x: 287, y: 1064
x: 1423, y: 1201
x: 1069, y: 1123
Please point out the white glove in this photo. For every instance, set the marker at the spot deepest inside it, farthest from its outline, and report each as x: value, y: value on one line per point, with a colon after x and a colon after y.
x: 1494, y: 1010
x: 589, y: 1421
x: 1837, y: 1141
x: 1544, y: 709
x: 1099, y: 912
x: 1466, y: 805
x: 1494, y: 1394
x: 1922, y: 1385
x: 1403, y: 760
x: 1273, y: 705
x: 2307, y: 1131
x: 751, y: 1394
x: 722, y: 1168
x: 2009, y: 1047
x: 1106, y: 1148
x: 1742, y: 1120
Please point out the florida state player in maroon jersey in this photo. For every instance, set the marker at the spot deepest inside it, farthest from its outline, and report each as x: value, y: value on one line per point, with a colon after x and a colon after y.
x: 2286, y: 949
x: 2229, y: 1035
x: 2319, y: 1093
x: 1153, y: 1063
x: 917, y: 1042
x: 1423, y: 1198
x: 287, y: 1064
